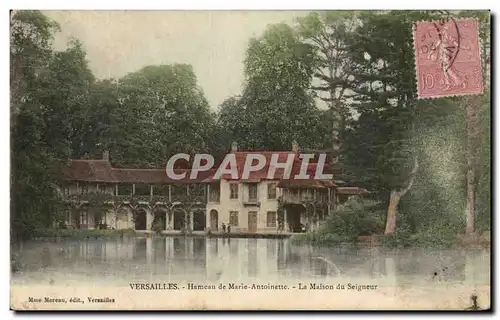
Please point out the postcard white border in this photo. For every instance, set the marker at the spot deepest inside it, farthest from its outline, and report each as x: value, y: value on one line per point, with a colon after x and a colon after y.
x: 178, y: 5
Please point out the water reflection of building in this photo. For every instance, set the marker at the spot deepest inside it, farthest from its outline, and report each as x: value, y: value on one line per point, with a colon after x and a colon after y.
x: 168, y: 256
x: 224, y: 259
x: 243, y: 259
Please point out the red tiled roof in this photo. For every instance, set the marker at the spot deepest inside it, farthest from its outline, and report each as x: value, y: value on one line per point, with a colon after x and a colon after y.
x: 262, y: 173
x: 278, y: 173
x: 352, y: 190
x: 158, y: 176
x: 102, y: 171
x: 143, y: 175
x: 309, y: 183
x: 90, y: 171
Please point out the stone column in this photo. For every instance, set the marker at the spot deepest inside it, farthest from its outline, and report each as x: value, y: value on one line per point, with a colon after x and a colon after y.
x: 285, y: 222
x: 149, y: 219
x: 191, y: 220
x: 170, y: 220
x: 69, y: 217
x: 329, y: 200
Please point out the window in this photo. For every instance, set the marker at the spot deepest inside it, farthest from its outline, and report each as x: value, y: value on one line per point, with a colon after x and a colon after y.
x: 233, y: 218
x: 252, y: 192
x: 125, y: 189
x: 178, y: 191
x: 271, y: 191
x: 142, y: 189
x: 214, y: 193
x: 271, y: 218
x: 306, y: 195
x: 101, y: 219
x: 83, y: 219
x: 233, y: 191
x: 84, y: 188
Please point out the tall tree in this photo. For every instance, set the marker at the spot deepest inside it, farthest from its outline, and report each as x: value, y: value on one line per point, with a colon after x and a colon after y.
x: 34, y: 196
x: 65, y: 91
x: 164, y: 112
x: 276, y: 103
x: 384, y: 84
x: 384, y: 91
x: 327, y: 34
x: 472, y: 105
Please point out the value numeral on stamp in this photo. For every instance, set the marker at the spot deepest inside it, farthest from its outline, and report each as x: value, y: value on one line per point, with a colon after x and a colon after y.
x: 428, y: 81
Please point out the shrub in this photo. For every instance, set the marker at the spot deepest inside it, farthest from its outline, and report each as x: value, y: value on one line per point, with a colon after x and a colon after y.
x: 438, y: 236
x: 356, y: 217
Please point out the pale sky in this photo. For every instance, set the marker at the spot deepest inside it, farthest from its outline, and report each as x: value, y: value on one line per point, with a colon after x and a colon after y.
x: 213, y: 42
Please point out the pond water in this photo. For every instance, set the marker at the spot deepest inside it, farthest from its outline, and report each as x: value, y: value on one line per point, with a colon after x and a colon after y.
x: 119, y: 262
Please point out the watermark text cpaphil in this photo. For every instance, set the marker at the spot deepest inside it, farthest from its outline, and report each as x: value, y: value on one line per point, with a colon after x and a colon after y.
x: 253, y: 162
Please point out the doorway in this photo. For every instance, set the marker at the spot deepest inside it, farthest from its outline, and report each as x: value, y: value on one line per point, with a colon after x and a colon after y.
x: 293, y: 215
x: 199, y: 220
x: 179, y: 219
x: 252, y: 221
x: 140, y: 220
x: 214, y: 220
x: 159, y: 220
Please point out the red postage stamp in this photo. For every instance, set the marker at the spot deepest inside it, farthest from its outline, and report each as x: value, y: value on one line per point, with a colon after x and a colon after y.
x: 448, y: 62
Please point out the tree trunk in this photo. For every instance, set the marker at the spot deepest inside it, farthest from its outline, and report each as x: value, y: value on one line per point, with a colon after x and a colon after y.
x: 390, y: 225
x: 396, y: 195
x: 335, y: 135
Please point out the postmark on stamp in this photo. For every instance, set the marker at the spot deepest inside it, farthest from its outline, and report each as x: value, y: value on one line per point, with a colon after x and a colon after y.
x: 447, y: 58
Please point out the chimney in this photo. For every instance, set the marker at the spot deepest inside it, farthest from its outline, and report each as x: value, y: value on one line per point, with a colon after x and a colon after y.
x: 234, y: 146
x: 105, y: 155
x: 295, y: 146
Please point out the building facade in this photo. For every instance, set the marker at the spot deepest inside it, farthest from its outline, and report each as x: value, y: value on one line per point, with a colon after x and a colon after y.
x: 99, y: 195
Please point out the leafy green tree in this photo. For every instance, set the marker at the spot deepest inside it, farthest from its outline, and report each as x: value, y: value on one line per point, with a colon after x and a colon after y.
x: 163, y: 112
x: 327, y: 34
x: 276, y: 106
x: 34, y: 194
x: 395, y: 128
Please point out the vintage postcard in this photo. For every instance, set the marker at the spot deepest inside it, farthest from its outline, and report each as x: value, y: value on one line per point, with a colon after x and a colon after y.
x: 250, y: 160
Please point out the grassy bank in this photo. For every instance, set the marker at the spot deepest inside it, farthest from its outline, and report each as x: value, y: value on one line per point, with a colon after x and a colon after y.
x: 361, y: 221
x: 394, y: 241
